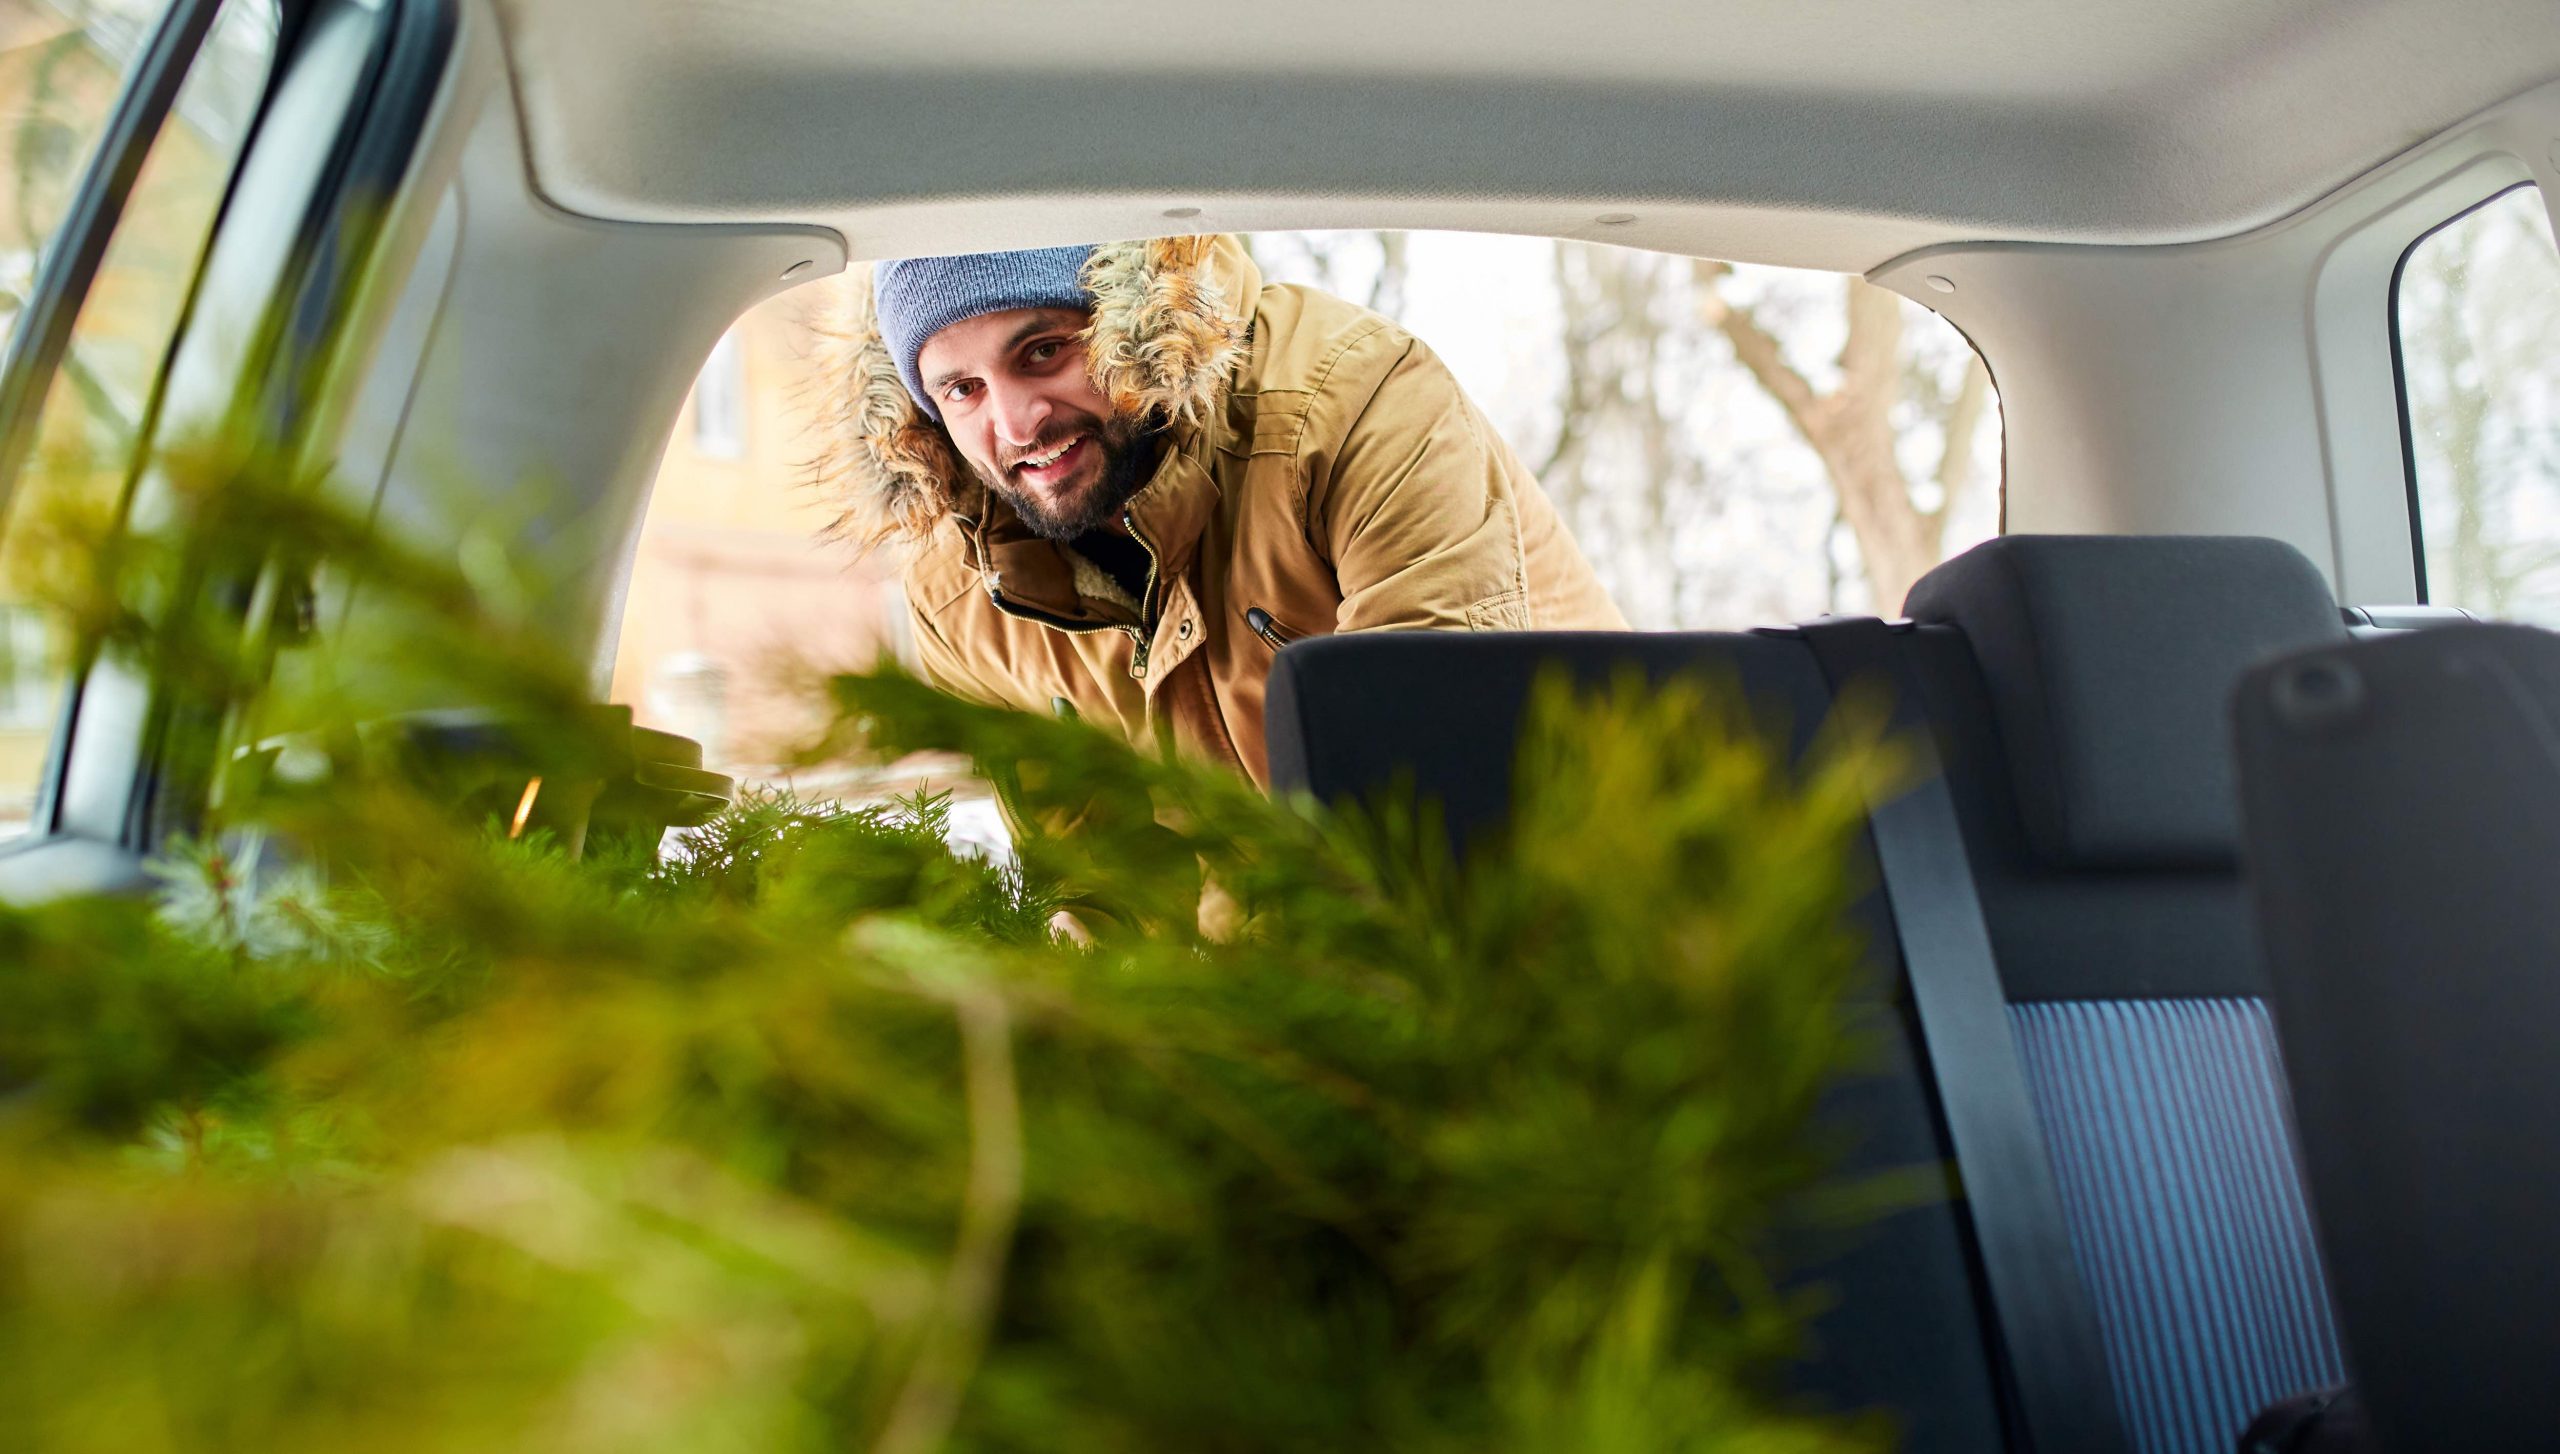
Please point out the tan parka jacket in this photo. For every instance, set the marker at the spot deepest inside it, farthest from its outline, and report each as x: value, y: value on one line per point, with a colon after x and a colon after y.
x: 1323, y: 472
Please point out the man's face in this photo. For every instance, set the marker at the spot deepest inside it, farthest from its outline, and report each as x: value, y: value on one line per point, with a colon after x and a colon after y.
x: 1016, y: 398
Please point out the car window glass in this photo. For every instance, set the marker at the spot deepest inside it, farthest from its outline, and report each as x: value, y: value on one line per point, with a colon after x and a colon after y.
x: 61, y: 64
x: 2478, y: 317
x: 1731, y: 445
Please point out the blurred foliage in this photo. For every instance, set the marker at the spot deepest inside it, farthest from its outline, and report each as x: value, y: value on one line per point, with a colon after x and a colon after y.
x: 377, y: 1128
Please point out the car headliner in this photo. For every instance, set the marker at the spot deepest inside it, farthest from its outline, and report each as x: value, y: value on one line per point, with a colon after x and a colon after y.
x: 1822, y: 133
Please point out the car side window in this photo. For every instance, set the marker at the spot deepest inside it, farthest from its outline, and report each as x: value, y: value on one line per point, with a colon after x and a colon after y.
x: 66, y: 67
x: 2476, y: 314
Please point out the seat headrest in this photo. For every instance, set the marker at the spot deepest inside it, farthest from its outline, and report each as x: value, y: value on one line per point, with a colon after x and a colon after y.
x: 2110, y: 661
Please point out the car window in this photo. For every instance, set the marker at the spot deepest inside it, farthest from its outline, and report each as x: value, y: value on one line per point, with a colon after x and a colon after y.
x: 1731, y: 445
x: 62, y: 63
x: 61, y: 66
x: 2477, y: 312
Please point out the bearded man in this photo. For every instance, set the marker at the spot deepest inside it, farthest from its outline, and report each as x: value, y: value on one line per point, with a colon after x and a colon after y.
x: 1128, y: 474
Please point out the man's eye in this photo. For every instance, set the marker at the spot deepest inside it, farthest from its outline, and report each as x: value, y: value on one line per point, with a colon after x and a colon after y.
x: 1045, y: 350
x: 959, y: 391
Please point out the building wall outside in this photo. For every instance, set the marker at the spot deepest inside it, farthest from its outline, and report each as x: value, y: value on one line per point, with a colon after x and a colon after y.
x: 737, y: 601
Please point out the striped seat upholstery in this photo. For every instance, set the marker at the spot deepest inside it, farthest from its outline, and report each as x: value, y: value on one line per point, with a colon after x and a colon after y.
x: 2168, y: 1127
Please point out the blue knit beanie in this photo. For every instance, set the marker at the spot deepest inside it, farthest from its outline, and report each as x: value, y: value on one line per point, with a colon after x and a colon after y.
x: 918, y: 297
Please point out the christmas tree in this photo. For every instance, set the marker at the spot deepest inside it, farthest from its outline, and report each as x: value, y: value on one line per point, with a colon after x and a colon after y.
x: 387, y: 1124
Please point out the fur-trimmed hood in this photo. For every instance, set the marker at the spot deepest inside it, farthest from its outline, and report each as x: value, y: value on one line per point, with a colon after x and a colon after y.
x: 1168, y: 331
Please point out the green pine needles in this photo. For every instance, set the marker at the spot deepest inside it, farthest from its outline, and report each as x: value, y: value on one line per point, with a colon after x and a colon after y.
x: 375, y: 1129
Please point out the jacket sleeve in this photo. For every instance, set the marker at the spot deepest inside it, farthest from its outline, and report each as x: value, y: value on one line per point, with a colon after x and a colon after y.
x: 1411, y: 495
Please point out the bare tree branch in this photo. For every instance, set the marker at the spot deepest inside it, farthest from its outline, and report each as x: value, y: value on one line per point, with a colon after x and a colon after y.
x: 1850, y: 427
x: 1963, y: 422
x: 1754, y: 345
x: 1386, y: 290
x: 1573, y: 407
x: 1870, y: 357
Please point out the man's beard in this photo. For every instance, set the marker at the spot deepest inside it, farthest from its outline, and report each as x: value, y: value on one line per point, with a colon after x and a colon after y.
x: 1129, y: 449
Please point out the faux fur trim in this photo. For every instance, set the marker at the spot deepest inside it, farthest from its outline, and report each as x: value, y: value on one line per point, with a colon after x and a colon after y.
x: 1163, y: 342
x: 889, y: 465
x: 1095, y: 584
x: 1164, y: 337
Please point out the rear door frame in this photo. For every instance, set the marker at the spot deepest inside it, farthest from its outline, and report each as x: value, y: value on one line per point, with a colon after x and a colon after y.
x: 129, y: 764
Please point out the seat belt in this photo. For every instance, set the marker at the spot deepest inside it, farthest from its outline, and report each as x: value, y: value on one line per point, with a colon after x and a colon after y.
x: 2048, y: 1324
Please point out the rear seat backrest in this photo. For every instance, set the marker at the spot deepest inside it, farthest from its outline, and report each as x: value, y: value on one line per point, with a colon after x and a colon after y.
x: 1351, y: 716
x: 2079, y: 687
x: 2402, y: 817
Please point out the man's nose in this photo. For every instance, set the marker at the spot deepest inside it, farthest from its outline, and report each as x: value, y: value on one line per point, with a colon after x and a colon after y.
x: 1020, y: 415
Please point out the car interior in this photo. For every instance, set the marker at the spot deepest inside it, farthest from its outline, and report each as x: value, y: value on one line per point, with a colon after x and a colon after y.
x: 503, y: 235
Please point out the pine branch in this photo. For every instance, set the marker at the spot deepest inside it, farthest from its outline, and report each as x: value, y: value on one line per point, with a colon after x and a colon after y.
x: 928, y: 1404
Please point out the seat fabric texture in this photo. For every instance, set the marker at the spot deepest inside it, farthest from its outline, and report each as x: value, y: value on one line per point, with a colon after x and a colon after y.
x: 2166, y: 1121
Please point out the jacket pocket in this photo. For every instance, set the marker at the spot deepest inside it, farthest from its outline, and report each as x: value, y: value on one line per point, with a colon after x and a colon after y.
x: 1506, y: 612
x: 1270, y: 628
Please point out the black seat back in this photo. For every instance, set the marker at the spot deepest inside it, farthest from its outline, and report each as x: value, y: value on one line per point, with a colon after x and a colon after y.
x: 1353, y: 715
x: 2403, y: 818
x: 2076, y: 687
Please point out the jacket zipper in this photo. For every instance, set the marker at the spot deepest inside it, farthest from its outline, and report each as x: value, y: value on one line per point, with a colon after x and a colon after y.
x: 1146, y: 597
x: 1059, y: 623
x: 1138, y: 659
x: 1268, y: 627
x: 1137, y: 634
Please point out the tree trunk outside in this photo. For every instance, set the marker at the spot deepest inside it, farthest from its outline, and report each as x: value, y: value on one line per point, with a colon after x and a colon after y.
x: 1851, y: 428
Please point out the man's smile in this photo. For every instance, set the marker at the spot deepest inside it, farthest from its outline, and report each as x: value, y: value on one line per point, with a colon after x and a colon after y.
x: 1055, y: 466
